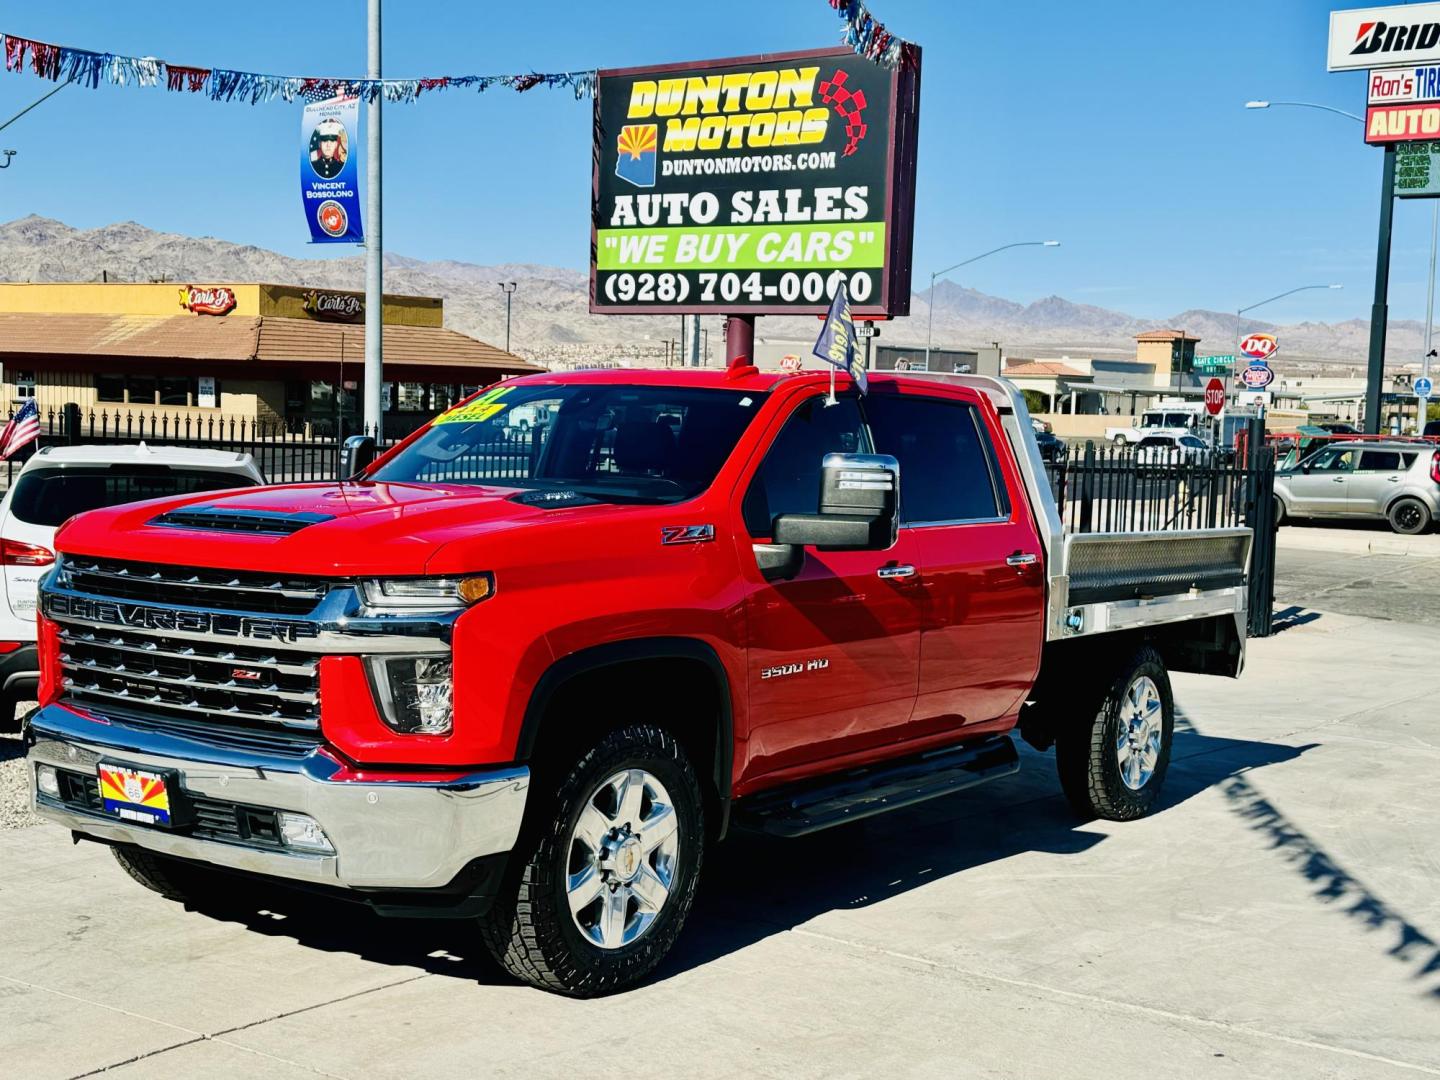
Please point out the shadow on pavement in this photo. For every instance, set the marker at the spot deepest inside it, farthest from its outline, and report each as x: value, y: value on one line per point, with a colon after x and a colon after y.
x: 1291, y: 617
x: 755, y: 886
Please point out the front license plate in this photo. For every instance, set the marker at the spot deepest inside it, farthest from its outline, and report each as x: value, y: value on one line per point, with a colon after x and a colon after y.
x: 139, y: 795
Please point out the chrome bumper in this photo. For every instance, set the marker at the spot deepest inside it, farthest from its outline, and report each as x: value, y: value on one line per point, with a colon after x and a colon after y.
x: 386, y: 834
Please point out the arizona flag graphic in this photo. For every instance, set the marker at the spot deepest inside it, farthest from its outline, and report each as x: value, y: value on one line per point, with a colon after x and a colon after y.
x: 635, y: 160
x: 134, y: 794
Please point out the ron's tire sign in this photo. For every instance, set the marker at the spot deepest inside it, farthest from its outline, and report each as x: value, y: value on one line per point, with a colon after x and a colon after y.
x: 1214, y: 397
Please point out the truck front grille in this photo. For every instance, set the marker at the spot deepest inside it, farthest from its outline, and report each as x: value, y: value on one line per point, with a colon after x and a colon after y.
x: 181, y: 586
x: 214, y: 681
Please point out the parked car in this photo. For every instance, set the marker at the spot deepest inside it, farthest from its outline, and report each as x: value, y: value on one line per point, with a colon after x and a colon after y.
x: 1395, y: 481
x: 1157, y: 450
x: 533, y: 694
x: 59, y: 482
x: 1052, y: 447
x: 1338, y: 428
x: 1432, y: 429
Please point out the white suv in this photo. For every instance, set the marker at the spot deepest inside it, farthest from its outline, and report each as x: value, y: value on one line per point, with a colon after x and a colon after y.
x: 59, y: 482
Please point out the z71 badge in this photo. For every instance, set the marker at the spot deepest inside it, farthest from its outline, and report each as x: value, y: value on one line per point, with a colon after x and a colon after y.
x: 686, y: 534
x: 781, y: 670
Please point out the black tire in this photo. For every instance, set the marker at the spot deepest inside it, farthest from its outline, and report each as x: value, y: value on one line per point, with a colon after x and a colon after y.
x: 1279, y: 511
x: 530, y: 930
x: 1086, y: 751
x: 1408, y: 517
x: 176, y: 879
x: 1120, y: 442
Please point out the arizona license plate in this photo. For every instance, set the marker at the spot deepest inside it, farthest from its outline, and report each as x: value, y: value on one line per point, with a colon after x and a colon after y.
x: 135, y: 794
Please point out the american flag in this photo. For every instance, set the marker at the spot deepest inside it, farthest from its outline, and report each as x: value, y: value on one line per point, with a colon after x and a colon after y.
x: 23, y: 428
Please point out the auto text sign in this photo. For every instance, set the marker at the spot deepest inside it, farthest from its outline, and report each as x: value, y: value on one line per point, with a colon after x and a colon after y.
x: 1417, y: 169
x: 1395, y: 36
x: 1402, y: 123
x: 1214, y: 397
x: 755, y: 185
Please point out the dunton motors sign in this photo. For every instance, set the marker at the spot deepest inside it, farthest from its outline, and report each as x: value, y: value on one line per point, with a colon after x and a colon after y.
x: 755, y: 185
x: 1383, y: 37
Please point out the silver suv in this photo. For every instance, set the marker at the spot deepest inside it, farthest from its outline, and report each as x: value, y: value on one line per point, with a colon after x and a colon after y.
x: 1397, y: 481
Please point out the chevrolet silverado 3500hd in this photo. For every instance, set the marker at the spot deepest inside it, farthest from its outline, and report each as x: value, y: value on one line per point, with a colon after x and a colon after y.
x: 530, y: 681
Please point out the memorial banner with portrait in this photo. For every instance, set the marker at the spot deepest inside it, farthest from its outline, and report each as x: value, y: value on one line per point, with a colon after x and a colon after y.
x: 329, y: 170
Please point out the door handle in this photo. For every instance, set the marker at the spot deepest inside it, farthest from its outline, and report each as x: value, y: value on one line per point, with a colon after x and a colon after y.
x: 1392, y: 479
x: 1338, y: 480
x: 889, y: 572
x: 1021, y: 558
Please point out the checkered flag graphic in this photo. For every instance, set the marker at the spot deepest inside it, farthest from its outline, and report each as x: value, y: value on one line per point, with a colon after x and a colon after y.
x: 848, y: 105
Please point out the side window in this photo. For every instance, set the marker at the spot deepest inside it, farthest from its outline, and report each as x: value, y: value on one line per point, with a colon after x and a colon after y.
x: 1380, y: 461
x: 788, y: 480
x: 948, y: 469
x: 1332, y: 460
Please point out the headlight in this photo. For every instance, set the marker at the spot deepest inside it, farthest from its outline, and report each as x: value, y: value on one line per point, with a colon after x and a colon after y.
x: 425, y: 593
x: 415, y: 693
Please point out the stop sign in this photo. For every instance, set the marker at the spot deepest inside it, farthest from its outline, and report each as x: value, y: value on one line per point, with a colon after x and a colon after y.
x: 1214, y: 397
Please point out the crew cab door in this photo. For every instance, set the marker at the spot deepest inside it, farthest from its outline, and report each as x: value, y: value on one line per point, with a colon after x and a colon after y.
x: 981, y: 562
x: 834, y: 652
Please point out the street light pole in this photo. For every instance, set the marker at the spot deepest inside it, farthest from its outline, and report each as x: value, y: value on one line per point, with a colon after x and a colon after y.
x: 508, y: 288
x: 930, y: 327
x: 1380, y: 308
x: 374, y: 248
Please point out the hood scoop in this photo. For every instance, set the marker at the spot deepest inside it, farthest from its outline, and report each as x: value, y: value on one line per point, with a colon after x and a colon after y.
x: 553, y: 500
x: 225, y: 519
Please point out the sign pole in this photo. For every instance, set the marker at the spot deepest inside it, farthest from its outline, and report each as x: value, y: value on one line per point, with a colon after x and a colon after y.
x: 739, y: 340
x: 374, y: 272
x: 1380, y: 310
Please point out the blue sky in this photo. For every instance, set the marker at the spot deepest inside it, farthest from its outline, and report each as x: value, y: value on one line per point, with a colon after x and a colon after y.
x: 1116, y: 127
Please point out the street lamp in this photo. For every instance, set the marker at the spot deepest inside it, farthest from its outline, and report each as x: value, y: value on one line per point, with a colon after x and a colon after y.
x: 930, y: 328
x: 508, y: 287
x: 1304, y: 105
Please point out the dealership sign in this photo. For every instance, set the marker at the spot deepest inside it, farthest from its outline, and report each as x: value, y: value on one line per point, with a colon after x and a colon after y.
x: 1396, y: 36
x: 754, y: 185
x: 213, y: 301
x: 1259, y: 346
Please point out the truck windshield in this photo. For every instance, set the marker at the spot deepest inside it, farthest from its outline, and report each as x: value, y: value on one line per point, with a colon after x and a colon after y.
x: 616, y: 442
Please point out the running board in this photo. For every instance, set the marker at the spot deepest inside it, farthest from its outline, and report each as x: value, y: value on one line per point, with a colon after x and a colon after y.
x: 798, y: 809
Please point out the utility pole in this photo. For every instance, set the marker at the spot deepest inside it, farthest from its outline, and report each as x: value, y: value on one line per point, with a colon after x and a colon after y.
x: 1429, y: 309
x: 508, y: 288
x: 1380, y: 310
x: 374, y: 249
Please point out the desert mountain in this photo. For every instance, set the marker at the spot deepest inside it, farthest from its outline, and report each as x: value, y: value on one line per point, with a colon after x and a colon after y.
x: 550, y: 321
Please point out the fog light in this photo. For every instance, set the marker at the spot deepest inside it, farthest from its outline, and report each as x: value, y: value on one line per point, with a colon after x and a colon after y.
x: 415, y: 693
x: 47, y: 780
x: 303, y: 831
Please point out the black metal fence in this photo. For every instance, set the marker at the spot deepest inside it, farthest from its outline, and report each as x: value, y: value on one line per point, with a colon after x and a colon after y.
x: 285, y: 453
x: 1108, y: 489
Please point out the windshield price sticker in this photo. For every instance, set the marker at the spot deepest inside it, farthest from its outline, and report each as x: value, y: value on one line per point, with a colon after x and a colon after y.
x: 485, y: 407
x: 754, y: 185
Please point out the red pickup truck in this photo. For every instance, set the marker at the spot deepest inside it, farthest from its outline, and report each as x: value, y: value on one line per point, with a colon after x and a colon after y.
x: 528, y: 677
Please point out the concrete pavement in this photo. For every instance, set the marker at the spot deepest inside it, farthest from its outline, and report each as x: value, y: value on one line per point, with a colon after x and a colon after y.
x: 1279, y: 918
x: 1356, y: 538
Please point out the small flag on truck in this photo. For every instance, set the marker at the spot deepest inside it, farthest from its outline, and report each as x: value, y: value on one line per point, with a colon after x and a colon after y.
x: 836, y: 343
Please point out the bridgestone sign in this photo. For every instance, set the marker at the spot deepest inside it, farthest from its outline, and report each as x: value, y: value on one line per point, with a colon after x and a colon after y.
x: 755, y: 185
x: 1384, y: 37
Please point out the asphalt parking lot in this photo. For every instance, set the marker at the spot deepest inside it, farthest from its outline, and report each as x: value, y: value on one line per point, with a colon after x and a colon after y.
x: 1280, y: 917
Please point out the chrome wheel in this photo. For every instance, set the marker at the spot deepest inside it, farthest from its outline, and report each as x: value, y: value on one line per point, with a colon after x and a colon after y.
x: 623, y: 855
x: 1141, y: 726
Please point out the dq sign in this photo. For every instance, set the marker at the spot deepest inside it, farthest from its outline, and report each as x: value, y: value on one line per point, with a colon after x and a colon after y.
x: 1259, y: 346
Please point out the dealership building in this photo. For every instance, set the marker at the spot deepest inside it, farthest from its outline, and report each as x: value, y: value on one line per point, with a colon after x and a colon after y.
x: 269, y: 353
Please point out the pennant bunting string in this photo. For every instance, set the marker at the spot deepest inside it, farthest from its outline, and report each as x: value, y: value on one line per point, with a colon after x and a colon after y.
x: 862, y: 32
x: 62, y: 63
